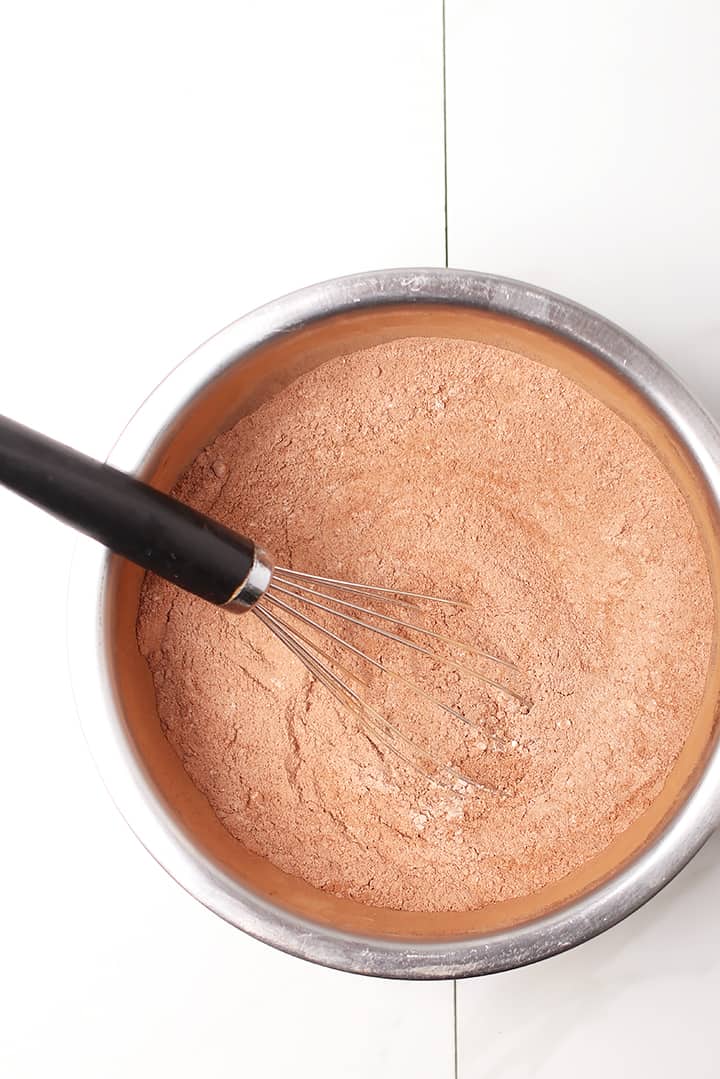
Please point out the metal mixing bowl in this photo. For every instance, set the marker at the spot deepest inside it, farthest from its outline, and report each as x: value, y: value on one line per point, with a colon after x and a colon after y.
x: 231, y: 375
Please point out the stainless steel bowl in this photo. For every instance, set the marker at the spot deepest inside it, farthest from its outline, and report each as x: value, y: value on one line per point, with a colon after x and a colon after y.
x: 232, y: 374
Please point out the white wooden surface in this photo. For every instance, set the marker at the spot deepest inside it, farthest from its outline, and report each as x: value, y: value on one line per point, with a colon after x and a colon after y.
x: 169, y: 166
x: 639, y: 1002
x: 583, y: 155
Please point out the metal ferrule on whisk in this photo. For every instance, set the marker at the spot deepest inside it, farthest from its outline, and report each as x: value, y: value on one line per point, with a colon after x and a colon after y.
x: 255, y: 585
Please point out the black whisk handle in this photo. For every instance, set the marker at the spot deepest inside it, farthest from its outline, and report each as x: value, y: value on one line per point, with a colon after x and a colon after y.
x: 133, y: 519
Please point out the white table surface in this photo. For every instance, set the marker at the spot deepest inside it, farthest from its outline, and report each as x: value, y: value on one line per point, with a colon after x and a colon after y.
x: 166, y: 168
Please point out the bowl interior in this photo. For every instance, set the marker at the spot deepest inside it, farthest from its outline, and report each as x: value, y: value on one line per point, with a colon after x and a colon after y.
x: 244, y: 383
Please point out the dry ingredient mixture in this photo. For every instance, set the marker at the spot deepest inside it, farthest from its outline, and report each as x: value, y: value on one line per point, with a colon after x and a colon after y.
x: 458, y: 469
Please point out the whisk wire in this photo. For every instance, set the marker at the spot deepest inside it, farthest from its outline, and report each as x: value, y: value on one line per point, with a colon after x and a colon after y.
x: 368, y: 716
x: 369, y: 589
x: 279, y: 613
x: 429, y: 653
x: 450, y: 641
x: 390, y: 598
x: 389, y: 671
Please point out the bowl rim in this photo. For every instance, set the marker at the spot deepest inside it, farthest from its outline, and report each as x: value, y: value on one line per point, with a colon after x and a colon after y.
x: 123, y: 773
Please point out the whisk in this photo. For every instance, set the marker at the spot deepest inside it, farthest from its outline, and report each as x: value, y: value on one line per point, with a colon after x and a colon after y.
x: 304, y: 611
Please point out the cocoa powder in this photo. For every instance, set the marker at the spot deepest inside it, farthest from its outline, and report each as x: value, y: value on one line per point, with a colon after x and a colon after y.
x: 458, y: 469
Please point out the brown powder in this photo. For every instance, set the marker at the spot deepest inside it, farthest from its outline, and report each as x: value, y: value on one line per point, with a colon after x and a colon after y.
x: 454, y: 468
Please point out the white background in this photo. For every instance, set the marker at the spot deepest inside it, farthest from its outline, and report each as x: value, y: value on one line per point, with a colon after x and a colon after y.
x: 168, y: 166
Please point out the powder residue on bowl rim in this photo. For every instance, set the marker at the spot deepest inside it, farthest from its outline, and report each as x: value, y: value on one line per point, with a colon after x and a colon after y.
x: 455, y: 468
